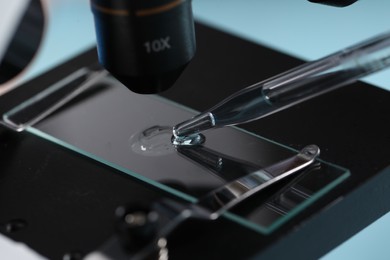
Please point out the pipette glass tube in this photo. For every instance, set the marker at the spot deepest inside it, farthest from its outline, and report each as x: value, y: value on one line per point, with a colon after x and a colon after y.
x: 294, y: 86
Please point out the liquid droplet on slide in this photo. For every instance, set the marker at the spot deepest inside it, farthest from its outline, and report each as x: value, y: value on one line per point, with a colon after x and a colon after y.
x: 154, y: 141
x: 159, y: 140
x: 192, y: 140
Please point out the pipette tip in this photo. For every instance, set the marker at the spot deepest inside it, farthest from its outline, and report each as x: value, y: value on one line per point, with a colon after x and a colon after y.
x: 194, y: 125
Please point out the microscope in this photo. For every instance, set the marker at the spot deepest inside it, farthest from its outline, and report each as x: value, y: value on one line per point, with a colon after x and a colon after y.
x: 147, y: 44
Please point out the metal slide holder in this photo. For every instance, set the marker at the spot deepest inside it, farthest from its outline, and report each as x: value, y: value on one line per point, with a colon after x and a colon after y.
x: 43, y: 104
x: 232, y: 193
x: 153, y: 226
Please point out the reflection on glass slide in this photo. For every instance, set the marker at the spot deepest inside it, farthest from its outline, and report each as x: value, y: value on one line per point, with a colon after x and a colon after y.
x: 91, y: 113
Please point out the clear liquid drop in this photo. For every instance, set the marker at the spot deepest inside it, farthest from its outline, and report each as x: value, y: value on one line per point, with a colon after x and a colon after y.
x: 192, y: 140
x: 159, y: 140
x: 154, y: 141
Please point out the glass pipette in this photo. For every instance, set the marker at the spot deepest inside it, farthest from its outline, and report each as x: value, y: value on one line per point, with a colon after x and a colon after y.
x: 294, y: 86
